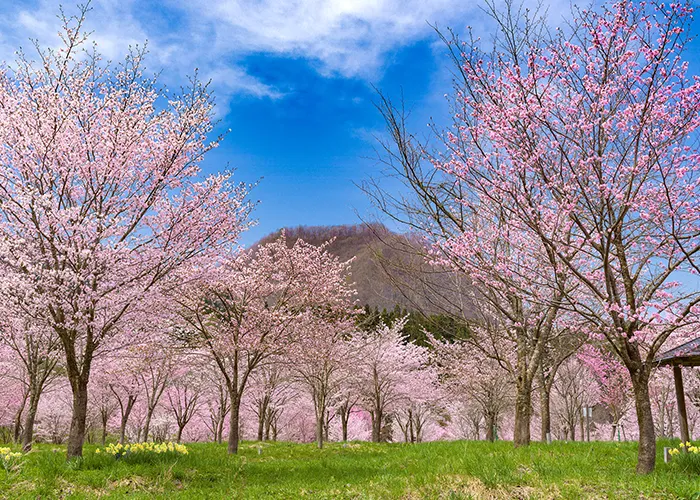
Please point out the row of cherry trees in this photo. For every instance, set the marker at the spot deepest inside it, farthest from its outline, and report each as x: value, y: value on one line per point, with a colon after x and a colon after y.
x: 371, y: 385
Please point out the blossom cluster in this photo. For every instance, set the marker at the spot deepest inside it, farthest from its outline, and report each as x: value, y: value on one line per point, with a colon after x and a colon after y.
x: 119, y: 450
x: 9, y: 459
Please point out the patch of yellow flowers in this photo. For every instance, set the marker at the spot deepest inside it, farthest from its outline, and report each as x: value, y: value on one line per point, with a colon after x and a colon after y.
x: 118, y: 450
x: 690, y: 461
x: 9, y: 458
x: 689, y: 447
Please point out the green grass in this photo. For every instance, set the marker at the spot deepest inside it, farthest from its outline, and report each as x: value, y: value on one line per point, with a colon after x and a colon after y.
x: 448, y: 470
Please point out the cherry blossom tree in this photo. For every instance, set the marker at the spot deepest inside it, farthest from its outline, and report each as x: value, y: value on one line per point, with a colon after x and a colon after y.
x: 102, y: 402
x: 423, y: 404
x: 124, y: 383
x: 37, y: 349
x: 319, y: 362
x: 347, y: 401
x: 13, y: 390
x: 475, y: 380
x: 157, y: 364
x: 271, y: 388
x: 614, y: 388
x: 588, y: 137
x: 386, y: 363
x: 663, y: 400
x: 99, y: 193
x: 244, y: 313
x: 510, y: 274
x: 584, y: 138
x: 573, y: 390
x: 184, y: 394
x: 217, y: 402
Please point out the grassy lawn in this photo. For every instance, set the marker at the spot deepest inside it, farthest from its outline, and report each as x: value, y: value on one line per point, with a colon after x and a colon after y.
x: 447, y: 470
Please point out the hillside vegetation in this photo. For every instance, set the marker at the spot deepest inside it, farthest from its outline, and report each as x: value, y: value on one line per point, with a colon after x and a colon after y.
x: 388, y: 268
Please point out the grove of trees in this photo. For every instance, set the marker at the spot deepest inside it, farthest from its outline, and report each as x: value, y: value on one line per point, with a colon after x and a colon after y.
x: 562, y: 203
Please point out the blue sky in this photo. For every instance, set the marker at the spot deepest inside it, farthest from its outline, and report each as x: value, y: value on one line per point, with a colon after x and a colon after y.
x: 292, y: 78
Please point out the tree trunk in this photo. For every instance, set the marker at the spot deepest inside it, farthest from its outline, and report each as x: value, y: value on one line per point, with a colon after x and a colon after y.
x: 319, y: 431
x: 125, y: 419
x: 104, y: 417
x: 523, y: 413
x: 233, y: 436
x: 18, y: 418
x: 220, y: 428
x: 179, y: 433
x: 344, y: 419
x: 28, y: 431
x: 376, y: 426
x: 261, y: 428
x: 418, y: 425
x: 147, y: 423
x: 76, y: 436
x: 268, y: 426
x: 262, y: 413
x: 545, y: 413
x: 646, y: 452
x: 490, y: 428
x: 320, y: 410
x: 477, y: 428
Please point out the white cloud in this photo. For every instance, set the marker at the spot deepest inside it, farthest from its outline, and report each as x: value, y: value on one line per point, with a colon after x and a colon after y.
x: 348, y: 38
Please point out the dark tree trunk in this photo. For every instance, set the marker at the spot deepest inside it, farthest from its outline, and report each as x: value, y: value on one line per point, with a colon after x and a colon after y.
x: 646, y: 452
x: 18, y: 418
x: 76, y: 436
x: 344, y: 418
x: 545, y: 413
x: 28, y: 430
x: 147, y: 423
x: 268, y: 426
x: 319, y: 431
x: 261, y: 427
x: 262, y: 414
x: 220, y: 428
x: 320, y: 413
x: 125, y: 419
x: 523, y: 413
x: 179, y: 432
x: 490, y: 428
x: 376, y: 426
x: 234, y: 420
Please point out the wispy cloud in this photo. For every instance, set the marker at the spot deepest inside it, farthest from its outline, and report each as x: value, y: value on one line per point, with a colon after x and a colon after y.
x: 340, y: 38
x: 346, y: 37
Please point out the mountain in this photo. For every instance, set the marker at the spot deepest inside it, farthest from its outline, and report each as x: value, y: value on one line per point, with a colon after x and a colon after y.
x: 388, y: 269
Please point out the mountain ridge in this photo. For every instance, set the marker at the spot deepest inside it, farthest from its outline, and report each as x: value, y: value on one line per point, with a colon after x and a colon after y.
x: 388, y: 268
